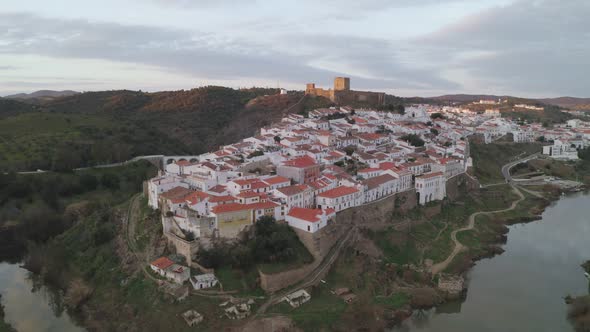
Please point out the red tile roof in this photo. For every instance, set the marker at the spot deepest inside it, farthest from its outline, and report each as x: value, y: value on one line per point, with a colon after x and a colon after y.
x: 301, y: 162
x: 162, y: 263
x: 176, y: 193
x: 293, y: 190
x: 338, y: 192
x: 230, y: 207
x: 276, y: 180
x: 430, y: 175
x: 217, y: 199
x: 310, y: 215
x: 218, y: 188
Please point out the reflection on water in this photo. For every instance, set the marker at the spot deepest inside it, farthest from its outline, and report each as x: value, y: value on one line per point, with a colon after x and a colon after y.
x: 522, y: 289
x: 29, y: 306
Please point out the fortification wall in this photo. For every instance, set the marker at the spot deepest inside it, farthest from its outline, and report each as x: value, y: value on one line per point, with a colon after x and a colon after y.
x: 379, y: 212
x: 183, y: 247
x: 319, y: 243
x: 460, y: 184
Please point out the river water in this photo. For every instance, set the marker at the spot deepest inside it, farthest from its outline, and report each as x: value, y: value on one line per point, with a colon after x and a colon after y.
x: 30, y: 306
x: 523, y: 289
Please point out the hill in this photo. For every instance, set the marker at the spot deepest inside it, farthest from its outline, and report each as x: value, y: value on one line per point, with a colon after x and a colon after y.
x: 42, y: 95
x: 109, y: 126
x: 580, y: 104
x: 464, y: 98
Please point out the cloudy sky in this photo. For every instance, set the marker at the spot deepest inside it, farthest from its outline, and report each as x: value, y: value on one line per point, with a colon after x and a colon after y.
x: 530, y: 48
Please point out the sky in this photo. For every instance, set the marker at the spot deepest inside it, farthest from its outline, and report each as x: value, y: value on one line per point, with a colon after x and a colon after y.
x: 528, y: 48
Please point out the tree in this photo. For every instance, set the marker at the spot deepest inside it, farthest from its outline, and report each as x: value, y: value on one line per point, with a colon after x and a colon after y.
x: 277, y: 139
x: 110, y: 181
x: 88, y: 182
x: 437, y: 115
x: 256, y: 154
x: 349, y: 150
x: 434, y: 131
x: 413, y: 139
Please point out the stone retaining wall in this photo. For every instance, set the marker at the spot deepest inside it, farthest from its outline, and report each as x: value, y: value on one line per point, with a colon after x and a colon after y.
x: 183, y: 247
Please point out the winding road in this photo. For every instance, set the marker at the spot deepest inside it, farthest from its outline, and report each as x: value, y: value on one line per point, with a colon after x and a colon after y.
x: 459, y: 247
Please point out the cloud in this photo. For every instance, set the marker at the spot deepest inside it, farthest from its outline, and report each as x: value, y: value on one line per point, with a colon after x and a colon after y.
x: 206, y: 55
x: 7, y: 68
x: 532, y: 47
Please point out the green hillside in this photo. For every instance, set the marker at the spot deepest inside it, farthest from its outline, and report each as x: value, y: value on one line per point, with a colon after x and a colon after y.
x: 110, y: 126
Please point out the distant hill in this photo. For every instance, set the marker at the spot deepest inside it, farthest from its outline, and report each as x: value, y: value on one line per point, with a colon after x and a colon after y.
x: 43, y: 94
x: 581, y: 104
x: 464, y: 98
x: 108, y: 126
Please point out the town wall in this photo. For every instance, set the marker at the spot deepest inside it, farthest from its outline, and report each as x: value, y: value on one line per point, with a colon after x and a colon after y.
x: 460, y: 184
x: 379, y: 212
x: 183, y: 247
x: 319, y: 243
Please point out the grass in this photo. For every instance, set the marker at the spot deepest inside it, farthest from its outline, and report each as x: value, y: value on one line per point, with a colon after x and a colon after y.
x: 323, y: 311
x: 245, y: 282
x: 396, y: 248
x: 395, y: 301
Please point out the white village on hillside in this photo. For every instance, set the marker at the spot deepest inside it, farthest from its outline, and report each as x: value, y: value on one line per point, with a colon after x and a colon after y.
x: 305, y: 170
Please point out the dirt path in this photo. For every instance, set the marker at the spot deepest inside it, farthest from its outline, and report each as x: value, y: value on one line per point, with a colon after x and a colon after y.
x: 439, y: 267
x: 131, y: 220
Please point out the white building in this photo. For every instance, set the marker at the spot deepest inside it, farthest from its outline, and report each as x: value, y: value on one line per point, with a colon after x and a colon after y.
x: 170, y: 270
x: 203, y: 281
x: 159, y: 185
x: 310, y: 220
x: 523, y: 136
x: 431, y: 187
x: 339, y: 198
x: 561, y: 150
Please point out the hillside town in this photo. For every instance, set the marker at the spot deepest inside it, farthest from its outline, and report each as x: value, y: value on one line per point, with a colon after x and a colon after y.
x: 304, y: 170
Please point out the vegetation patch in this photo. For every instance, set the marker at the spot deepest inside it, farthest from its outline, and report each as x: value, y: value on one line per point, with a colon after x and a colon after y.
x: 395, y: 301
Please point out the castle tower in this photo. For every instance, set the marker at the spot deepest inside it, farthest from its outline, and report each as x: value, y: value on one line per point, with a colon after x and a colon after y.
x: 309, y: 88
x: 342, y: 84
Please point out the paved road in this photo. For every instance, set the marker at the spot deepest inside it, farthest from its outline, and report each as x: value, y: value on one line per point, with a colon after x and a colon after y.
x: 506, y: 168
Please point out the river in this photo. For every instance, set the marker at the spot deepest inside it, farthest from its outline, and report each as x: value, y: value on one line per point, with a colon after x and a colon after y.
x: 522, y: 289
x: 30, y: 306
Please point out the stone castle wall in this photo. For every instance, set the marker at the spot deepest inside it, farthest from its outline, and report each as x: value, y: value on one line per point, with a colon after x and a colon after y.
x: 186, y: 248
x: 458, y: 184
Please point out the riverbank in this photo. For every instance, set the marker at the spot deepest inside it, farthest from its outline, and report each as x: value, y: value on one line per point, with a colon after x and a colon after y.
x: 4, y: 326
x: 579, y: 307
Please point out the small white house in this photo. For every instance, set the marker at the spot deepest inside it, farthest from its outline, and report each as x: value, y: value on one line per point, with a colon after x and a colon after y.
x: 297, y: 298
x: 170, y: 270
x: 203, y: 281
x: 309, y: 220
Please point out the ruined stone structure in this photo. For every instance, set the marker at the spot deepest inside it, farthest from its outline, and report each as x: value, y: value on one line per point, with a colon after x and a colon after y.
x: 341, y: 94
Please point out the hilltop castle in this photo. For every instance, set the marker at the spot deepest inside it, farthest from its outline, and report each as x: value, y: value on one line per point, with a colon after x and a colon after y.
x: 341, y: 94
